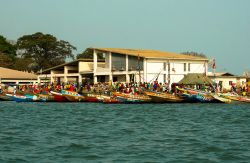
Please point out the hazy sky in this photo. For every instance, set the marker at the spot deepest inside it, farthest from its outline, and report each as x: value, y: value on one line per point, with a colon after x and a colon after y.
x: 217, y: 28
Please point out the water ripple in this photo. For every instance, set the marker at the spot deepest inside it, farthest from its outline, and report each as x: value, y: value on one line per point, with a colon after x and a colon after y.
x: 87, y: 132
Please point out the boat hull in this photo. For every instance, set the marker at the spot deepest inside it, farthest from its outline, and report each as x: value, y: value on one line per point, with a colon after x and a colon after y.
x: 164, y: 97
x: 75, y: 98
x: 58, y: 97
x: 4, y: 97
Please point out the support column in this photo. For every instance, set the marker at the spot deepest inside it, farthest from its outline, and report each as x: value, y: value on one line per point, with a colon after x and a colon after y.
x: 144, y: 70
x: 38, y: 80
x: 127, y: 78
x: 80, y: 79
x: 95, y: 79
x: 95, y: 61
x: 126, y: 69
x: 110, y: 67
x: 169, y: 85
x: 95, y: 66
x: 52, y: 76
x: 65, y: 79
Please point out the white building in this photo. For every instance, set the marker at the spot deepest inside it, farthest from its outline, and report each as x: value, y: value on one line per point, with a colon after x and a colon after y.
x: 125, y: 65
x: 226, y: 80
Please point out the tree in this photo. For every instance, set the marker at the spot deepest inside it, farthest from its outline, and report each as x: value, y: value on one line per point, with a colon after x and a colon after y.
x: 44, y: 50
x: 6, y: 47
x: 195, y: 54
x: 7, y: 53
x: 88, y: 54
x: 5, y: 60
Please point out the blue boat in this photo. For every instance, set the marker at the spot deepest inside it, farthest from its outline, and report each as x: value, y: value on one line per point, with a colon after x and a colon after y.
x: 25, y: 98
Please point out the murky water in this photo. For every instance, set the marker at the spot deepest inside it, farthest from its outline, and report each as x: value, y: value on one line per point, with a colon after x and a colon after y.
x: 93, y: 132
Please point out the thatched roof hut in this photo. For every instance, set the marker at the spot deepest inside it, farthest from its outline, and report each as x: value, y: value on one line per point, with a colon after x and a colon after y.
x: 195, y: 78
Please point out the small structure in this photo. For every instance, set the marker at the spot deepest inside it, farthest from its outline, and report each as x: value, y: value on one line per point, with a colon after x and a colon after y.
x: 226, y: 80
x: 10, y: 76
x: 196, y: 79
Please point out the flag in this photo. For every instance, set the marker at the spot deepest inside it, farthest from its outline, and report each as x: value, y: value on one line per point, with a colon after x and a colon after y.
x: 213, y: 64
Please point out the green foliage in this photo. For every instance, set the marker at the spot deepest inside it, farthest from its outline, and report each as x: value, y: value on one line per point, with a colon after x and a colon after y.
x: 7, y: 53
x: 23, y: 64
x: 42, y: 51
x: 88, y: 54
x: 6, y: 47
x: 5, y: 60
x: 195, y: 54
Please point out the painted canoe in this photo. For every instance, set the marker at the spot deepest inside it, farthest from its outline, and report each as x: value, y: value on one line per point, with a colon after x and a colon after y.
x: 192, y: 95
x: 90, y: 97
x: 244, y: 99
x: 25, y: 98
x: 111, y: 100
x: 203, y: 98
x: 164, y: 97
x: 221, y: 99
x: 130, y: 98
x: 234, y: 97
x: 73, y: 96
x: 58, y: 97
x: 4, y: 97
x: 46, y: 98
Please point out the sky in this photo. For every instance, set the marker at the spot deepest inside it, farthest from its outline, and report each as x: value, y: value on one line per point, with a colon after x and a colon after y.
x: 218, y: 28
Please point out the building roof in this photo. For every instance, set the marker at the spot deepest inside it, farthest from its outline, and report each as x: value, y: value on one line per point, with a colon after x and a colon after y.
x: 195, y: 78
x: 224, y: 75
x: 14, y: 74
x: 150, y: 53
x: 72, y: 63
x: 220, y: 74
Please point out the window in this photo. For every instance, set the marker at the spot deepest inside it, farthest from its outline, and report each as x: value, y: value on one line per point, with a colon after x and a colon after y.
x: 220, y: 83
x: 164, y: 78
x: 164, y: 66
x: 185, y: 67
x: 189, y: 65
x: 115, y: 79
x: 230, y: 82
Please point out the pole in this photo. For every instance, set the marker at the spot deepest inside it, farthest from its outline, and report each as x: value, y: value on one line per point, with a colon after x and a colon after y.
x: 139, y: 67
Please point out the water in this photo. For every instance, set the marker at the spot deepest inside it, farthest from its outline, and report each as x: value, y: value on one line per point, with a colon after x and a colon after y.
x: 92, y: 132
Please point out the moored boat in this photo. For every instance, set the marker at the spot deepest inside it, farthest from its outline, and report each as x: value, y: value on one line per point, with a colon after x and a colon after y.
x: 90, y: 97
x: 73, y: 96
x: 130, y: 98
x: 244, y: 99
x: 4, y: 97
x: 25, y: 98
x: 58, y: 97
x: 221, y: 99
x: 231, y: 96
x: 111, y: 100
x: 192, y: 95
x: 164, y: 97
x: 46, y: 98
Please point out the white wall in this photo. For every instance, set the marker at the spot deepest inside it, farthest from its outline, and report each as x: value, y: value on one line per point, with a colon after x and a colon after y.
x: 154, y: 67
x: 225, y: 81
x: 197, y: 68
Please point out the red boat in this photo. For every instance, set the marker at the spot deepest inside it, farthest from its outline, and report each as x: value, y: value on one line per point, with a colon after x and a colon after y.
x: 58, y: 97
x: 91, y: 97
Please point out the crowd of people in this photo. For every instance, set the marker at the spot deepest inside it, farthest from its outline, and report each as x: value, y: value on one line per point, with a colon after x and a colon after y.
x: 107, y: 87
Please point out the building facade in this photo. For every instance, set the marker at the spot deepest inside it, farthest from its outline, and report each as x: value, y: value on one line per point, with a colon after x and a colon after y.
x: 126, y: 65
x: 226, y: 80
